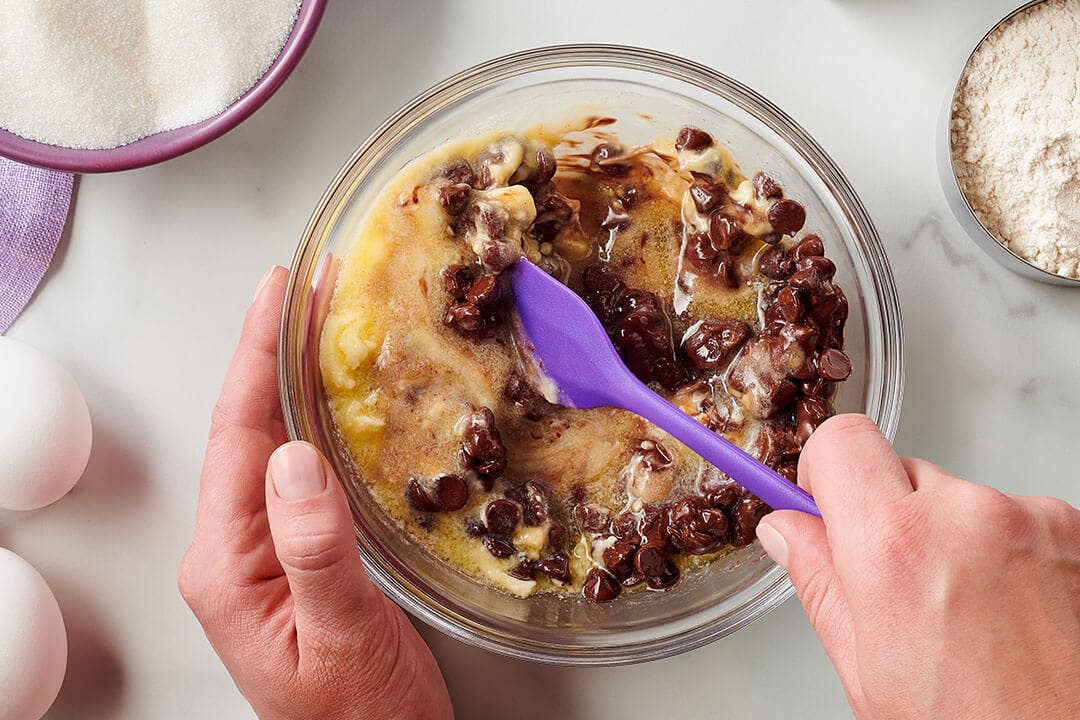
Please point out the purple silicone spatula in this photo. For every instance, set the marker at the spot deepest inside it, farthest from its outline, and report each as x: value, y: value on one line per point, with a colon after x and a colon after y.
x: 571, y: 349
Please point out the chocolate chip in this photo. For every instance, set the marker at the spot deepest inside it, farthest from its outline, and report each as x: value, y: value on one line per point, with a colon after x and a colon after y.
x: 695, y: 528
x: 457, y: 279
x: 818, y: 388
x: 502, y: 516
x: 701, y: 252
x: 625, y: 526
x: 463, y: 316
x: 707, y: 196
x: 726, y: 273
x: 766, y: 188
x: 775, y: 444
x: 830, y: 308
x: 745, y: 518
x: 600, y: 587
x: 552, y: 208
x: 545, y: 167
x: 692, y: 139
x: 475, y: 528
x: 776, y: 263
x: 591, y: 517
x: 809, y: 279
x: 655, y: 566
x: 809, y: 246
x: 787, y: 216
x: 760, y: 374
x: 603, y: 159
x: 833, y: 365
x: 499, y: 545
x: 524, y: 570
x: 450, y: 491
x: 652, y: 527
x: 556, y: 536
x: 482, y: 449
x: 600, y: 279
x: 417, y: 497
x: 823, y: 264
x: 726, y: 234
x: 631, y: 300
x: 670, y: 374
x: 641, y: 337
x: 557, y: 567
x: 810, y: 412
x: 805, y: 336
x: 484, y: 290
x: 460, y: 171
x: 537, y: 506
x: 710, y: 344
x: 725, y: 497
x: 455, y: 197
x: 619, y: 558
x: 528, y: 401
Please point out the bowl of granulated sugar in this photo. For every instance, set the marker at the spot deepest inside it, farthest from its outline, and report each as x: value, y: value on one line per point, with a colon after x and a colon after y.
x: 102, y: 85
x: 1009, y: 150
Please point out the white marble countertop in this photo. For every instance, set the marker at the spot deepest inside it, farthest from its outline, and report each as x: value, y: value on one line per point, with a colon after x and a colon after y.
x: 146, y: 295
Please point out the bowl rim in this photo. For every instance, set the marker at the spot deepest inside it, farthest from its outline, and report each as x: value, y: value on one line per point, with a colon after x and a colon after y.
x: 958, y: 199
x: 169, y: 144
x: 652, y: 62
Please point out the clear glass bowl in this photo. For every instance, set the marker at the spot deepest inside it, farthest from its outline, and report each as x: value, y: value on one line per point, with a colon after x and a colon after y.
x: 652, y: 95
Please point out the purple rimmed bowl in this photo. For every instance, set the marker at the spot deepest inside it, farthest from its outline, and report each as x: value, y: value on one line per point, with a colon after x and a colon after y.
x: 173, y: 143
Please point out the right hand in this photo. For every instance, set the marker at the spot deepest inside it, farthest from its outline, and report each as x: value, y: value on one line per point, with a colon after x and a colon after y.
x: 933, y: 597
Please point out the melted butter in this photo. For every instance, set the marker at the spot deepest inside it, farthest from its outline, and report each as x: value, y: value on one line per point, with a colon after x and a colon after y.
x: 398, y: 380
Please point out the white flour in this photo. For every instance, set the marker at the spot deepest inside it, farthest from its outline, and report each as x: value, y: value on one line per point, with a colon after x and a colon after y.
x: 1016, y: 135
x: 103, y: 73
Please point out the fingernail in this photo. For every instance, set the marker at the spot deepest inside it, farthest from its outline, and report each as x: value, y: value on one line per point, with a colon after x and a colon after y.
x: 262, y: 283
x: 773, y: 542
x: 298, y: 471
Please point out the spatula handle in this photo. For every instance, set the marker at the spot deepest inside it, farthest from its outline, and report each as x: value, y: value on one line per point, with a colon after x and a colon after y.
x: 776, y: 490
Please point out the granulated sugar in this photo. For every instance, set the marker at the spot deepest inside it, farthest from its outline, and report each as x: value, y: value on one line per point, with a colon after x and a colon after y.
x: 1016, y: 135
x: 103, y: 73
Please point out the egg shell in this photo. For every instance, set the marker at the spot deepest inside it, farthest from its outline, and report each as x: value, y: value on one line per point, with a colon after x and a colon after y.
x: 45, y: 429
x: 33, y: 641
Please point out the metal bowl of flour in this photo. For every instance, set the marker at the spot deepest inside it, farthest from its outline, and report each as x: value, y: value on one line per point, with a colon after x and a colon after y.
x: 172, y: 143
x: 959, y: 203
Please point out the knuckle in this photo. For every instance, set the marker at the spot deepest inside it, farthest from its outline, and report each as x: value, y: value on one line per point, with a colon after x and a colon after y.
x: 838, y: 428
x: 848, y: 424
x: 311, y: 550
x: 1011, y: 521
x: 995, y: 507
x: 1063, y: 518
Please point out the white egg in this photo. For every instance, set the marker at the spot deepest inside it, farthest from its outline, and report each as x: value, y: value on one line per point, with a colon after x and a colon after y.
x: 33, y: 641
x: 44, y: 428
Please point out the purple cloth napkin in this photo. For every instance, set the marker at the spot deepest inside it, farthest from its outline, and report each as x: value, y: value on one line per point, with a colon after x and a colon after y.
x: 33, y: 211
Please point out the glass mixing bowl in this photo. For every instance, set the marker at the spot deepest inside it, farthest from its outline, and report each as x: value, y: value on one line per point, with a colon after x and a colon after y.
x: 652, y: 95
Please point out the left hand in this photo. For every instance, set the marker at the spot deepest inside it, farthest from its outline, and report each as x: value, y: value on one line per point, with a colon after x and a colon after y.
x: 273, y: 572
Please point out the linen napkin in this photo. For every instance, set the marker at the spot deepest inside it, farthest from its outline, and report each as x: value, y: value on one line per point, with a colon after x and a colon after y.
x: 33, y: 210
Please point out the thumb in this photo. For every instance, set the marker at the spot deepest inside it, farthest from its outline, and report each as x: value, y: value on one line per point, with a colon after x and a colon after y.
x: 315, y: 542
x: 798, y: 543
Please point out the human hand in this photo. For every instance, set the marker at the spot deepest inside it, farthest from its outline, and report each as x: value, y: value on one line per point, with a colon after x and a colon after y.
x: 933, y: 597
x: 273, y: 572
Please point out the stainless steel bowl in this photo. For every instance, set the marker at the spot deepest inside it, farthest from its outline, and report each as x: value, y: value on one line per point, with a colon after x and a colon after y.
x: 958, y: 201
